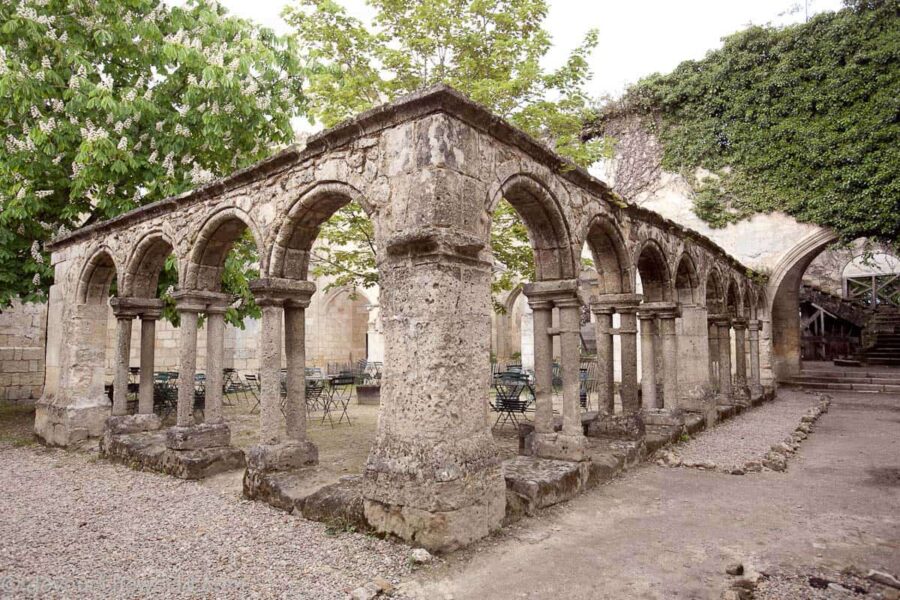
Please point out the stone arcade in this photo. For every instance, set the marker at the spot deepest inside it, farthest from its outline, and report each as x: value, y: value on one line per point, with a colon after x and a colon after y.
x: 429, y: 170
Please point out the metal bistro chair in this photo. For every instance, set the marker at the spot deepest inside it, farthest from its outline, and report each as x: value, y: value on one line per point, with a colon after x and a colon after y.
x: 339, y: 393
x: 253, y: 388
x: 165, y: 393
x: 508, y: 399
x: 315, y: 391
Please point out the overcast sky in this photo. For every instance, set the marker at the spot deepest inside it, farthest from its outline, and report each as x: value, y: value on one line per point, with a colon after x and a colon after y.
x: 637, y: 37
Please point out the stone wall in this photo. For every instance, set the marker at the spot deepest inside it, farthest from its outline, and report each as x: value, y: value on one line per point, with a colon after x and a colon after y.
x: 22, y: 335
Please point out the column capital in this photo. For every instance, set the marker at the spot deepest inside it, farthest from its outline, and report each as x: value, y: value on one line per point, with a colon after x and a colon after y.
x: 279, y: 291
x: 718, y: 319
x: 662, y: 310
x: 739, y: 323
x: 559, y: 292
x: 754, y: 325
x: 129, y: 308
x: 615, y: 302
x: 198, y: 300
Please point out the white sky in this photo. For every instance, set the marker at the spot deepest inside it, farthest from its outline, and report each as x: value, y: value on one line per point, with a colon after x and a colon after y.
x: 637, y: 37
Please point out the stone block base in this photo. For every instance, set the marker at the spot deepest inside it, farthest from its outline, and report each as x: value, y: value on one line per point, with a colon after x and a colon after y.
x: 617, y: 427
x: 534, y: 483
x: 70, y: 424
x: 554, y: 446
x: 282, y: 457
x: 132, y: 424
x: 197, y: 437
x: 149, y: 451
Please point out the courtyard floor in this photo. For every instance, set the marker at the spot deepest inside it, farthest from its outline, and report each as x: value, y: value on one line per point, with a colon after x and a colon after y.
x: 72, y: 525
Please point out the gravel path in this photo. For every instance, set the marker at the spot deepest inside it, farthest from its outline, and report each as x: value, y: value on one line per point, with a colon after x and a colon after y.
x: 72, y: 526
x: 749, y: 435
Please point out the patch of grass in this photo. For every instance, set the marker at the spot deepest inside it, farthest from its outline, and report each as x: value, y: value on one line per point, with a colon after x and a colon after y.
x: 684, y: 437
x: 338, y: 526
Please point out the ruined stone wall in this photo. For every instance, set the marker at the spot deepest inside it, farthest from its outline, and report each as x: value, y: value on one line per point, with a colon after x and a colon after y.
x: 22, y: 334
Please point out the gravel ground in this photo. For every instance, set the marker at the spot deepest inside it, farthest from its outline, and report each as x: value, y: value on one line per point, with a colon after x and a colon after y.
x: 749, y: 435
x: 72, y: 526
x: 812, y: 583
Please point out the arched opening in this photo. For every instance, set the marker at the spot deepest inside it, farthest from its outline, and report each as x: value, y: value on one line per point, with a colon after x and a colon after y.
x: 225, y: 232
x: 654, y: 273
x: 714, y: 302
x: 686, y: 281
x: 692, y: 330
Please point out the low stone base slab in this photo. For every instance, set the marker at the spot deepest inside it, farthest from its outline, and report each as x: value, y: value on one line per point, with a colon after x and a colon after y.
x: 534, y: 483
x: 148, y: 451
x: 617, y: 427
x: 282, y: 457
x: 197, y: 437
x: 133, y: 424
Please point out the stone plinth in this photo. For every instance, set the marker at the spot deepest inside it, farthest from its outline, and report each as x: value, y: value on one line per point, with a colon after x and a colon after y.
x: 282, y: 457
x: 132, y: 424
x: 64, y: 425
x: 196, y: 437
x: 618, y: 427
x: 148, y: 451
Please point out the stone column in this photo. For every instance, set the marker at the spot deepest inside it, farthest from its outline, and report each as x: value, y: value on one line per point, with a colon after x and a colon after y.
x: 215, y: 360
x: 542, y: 319
x: 570, y: 365
x: 756, y: 389
x: 270, y: 369
x: 628, y: 389
x: 123, y: 356
x: 669, y: 343
x: 295, y: 351
x: 648, y: 360
x: 603, y: 315
x: 725, y: 388
x: 713, y: 353
x: 188, y: 309
x: 148, y: 360
x: 740, y: 359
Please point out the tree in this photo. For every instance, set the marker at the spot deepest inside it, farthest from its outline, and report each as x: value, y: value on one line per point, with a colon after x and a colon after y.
x: 106, y: 105
x: 490, y: 50
x: 801, y: 119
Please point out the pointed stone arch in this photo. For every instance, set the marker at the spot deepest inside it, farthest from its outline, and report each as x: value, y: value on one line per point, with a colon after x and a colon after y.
x: 145, y: 263
x: 218, y: 234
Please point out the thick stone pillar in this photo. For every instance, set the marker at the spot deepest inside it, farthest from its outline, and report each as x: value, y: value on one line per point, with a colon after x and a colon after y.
x: 726, y: 394
x: 603, y: 315
x: 713, y: 352
x: 122, y: 358
x: 648, y: 360
x: 543, y: 296
x: 433, y: 474
x: 542, y: 319
x: 148, y: 360
x: 270, y: 370
x: 187, y: 361
x: 756, y: 389
x: 740, y: 359
x: 628, y: 389
x: 295, y: 351
x: 669, y: 351
x: 215, y: 361
x: 570, y: 365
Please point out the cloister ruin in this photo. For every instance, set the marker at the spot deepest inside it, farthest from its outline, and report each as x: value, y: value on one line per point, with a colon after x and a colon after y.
x: 428, y: 170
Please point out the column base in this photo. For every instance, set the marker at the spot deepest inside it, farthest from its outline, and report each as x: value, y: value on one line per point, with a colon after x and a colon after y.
x: 757, y: 394
x: 558, y: 446
x: 197, y: 437
x: 66, y: 425
x: 132, y: 424
x: 283, y: 456
x: 442, y: 495
x: 629, y: 427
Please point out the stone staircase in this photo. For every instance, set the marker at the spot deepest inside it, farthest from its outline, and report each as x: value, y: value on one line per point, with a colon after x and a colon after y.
x: 883, y: 347
x: 862, y: 379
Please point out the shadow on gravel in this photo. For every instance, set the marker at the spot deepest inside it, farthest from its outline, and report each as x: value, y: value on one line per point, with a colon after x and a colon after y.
x: 884, y: 477
x: 16, y: 424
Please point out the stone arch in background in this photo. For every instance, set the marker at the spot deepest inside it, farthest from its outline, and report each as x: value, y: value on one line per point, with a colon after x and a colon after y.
x: 607, y: 247
x: 651, y: 266
x: 217, y: 236
x: 144, y: 265
x: 687, y: 282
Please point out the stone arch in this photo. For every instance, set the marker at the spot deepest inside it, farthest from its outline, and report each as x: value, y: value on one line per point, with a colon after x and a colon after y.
x: 651, y: 265
x: 607, y: 247
x: 686, y: 280
x: 733, y: 301
x: 548, y: 229
x: 96, y: 276
x: 217, y: 236
x: 300, y: 227
x: 715, y: 303
x: 783, y: 298
x: 146, y: 261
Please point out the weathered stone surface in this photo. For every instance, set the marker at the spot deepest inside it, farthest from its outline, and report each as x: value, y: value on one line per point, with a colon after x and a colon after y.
x: 196, y: 437
x: 338, y: 503
x: 148, y: 451
x: 133, y: 424
x: 282, y: 457
x: 622, y: 427
x: 369, y: 395
x: 535, y: 483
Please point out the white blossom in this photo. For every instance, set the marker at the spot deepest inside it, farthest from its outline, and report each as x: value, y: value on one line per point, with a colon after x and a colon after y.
x: 152, y: 159
x: 199, y: 175
x: 182, y: 130
x: 123, y: 144
x: 36, y: 280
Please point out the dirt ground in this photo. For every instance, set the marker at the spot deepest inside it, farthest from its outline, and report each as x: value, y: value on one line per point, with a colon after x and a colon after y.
x: 670, y: 533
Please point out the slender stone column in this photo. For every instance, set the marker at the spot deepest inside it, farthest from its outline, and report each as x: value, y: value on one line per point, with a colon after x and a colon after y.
x: 756, y: 389
x: 669, y: 343
x: 148, y: 360
x: 713, y: 353
x: 725, y: 387
x: 123, y: 356
x: 606, y: 382
x: 648, y: 360
x: 740, y: 358
x: 215, y: 351
x: 187, y: 362
x: 542, y: 318
x: 270, y: 369
x: 628, y: 389
x: 570, y: 357
x: 295, y: 350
